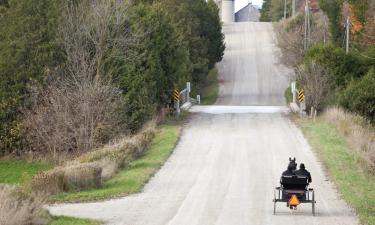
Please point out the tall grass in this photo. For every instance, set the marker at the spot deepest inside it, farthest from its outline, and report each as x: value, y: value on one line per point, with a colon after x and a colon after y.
x: 358, y: 132
x: 19, y: 209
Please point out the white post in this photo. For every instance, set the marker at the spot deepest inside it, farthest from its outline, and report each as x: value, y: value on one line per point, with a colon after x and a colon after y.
x: 347, y: 34
x: 188, y: 91
x: 293, y: 86
x: 178, y: 110
x: 199, y: 99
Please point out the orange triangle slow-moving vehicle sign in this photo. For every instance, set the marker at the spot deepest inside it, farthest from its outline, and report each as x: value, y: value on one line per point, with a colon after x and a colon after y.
x: 293, y: 201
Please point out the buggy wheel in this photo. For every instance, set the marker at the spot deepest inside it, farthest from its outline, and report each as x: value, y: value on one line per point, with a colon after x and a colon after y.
x: 313, y: 203
x: 274, y: 207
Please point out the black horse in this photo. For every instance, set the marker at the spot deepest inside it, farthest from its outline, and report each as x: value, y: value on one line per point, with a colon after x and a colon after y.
x: 292, y: 163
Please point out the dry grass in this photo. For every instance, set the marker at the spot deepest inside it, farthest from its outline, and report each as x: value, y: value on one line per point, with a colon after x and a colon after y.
x: 359, y: 133
x: 50, y: 182
x: 91, y: 169
x: 78, y: 177
x: 123, y: 150
x: 17, y: 209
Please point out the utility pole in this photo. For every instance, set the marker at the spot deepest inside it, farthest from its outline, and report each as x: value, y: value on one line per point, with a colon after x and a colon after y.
x: 347, y: 34
x: 293, y: 8
x: 307, y: 26
x: 284, y: 9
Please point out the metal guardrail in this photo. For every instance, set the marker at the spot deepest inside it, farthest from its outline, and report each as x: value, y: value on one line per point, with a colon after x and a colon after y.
x: 184, y: 97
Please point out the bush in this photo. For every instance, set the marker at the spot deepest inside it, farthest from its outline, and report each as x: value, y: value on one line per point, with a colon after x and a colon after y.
x: 288, y: 95
x: 18, y: 209
x: 68, y: 178
x: 82, y: 176
x: 50, y: 182
x: 359, y: 96
x: 124, y: 150
x: 315, y: 82
x: 341, y: 67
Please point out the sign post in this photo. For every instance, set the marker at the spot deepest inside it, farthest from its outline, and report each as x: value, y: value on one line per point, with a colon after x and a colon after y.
x: 301, y: 99
x: 176, y: 97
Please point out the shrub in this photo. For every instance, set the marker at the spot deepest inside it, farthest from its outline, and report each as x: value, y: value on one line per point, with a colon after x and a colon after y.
x: 82, y: 176
x: 69, y: 178
x: 341, y: 67
x: 359, y: 96
x: 50, y: 182
x: 125, y: 149
x: 315, y: 82
x: 18, y: 209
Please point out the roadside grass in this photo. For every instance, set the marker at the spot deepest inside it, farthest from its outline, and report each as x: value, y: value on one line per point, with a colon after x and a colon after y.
x: 211, y: 90
x: 16, y: 172
x: 136, y: 174
x: 63, y: 220
x: 354, y: 180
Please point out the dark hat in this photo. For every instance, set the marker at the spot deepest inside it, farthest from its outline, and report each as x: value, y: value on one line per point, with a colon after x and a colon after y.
x: 302, y: 166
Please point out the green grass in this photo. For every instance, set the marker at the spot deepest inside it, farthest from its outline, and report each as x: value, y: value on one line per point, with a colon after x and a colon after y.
x: 211, y: 90
x: 354, y: 181
x: 132, y: 178
x: 62, y: 220
x: 16, y: 172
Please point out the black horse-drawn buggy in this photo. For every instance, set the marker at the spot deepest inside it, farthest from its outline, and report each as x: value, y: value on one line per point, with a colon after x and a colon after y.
x: 294, y: 190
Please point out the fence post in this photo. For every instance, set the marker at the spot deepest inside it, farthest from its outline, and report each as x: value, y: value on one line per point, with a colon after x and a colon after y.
x: 178, y: 110
x: 199, y: 99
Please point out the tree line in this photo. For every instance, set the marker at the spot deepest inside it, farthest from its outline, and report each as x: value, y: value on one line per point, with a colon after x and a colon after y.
x: 76, y: 74
x: 329, y: 75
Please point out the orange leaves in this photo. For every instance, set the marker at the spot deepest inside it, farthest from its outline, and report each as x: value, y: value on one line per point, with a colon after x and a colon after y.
x: 348, y: 11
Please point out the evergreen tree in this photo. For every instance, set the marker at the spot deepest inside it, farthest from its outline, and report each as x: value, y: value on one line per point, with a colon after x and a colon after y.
x: 28, y: 50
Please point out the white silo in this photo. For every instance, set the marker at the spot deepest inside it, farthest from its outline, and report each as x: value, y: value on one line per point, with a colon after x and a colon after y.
x: 227, y: 11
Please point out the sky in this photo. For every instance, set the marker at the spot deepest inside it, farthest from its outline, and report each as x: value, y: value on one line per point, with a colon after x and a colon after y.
x: 241, y: 3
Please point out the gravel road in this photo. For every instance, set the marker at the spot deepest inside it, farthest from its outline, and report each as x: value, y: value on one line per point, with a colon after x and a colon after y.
x: 231, y: 155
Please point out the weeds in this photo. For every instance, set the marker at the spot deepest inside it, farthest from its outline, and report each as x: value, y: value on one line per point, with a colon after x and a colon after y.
x: 19, y: 209
x: 359, y: 133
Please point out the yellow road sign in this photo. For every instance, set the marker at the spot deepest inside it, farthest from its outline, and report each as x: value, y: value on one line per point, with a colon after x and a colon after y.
x: 176, y: 95
x: 301, y: 95
x: 293, y: 201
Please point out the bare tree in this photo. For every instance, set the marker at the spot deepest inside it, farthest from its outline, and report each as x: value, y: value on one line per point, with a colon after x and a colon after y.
x: 79, y: 109
x: 314, y: 79
x: 290, y: 36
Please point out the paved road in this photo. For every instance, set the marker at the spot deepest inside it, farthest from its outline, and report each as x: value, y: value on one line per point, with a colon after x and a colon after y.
x: 230, y: 155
